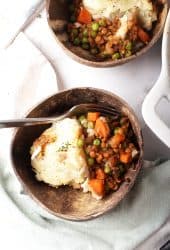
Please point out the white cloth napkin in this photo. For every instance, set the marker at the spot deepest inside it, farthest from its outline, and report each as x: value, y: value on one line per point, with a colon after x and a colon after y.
x: 14, y: 15
x: 26, y: 78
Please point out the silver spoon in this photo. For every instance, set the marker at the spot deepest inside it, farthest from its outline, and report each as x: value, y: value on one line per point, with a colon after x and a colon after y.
x: 77, y: 109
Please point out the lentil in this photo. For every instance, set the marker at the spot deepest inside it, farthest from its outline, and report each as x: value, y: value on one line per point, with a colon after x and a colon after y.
x: 95, y: 35
x: 111, y: 156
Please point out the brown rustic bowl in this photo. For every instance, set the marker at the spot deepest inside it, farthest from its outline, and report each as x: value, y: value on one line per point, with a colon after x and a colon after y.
x: 65, y: 202
x: 57, y: 15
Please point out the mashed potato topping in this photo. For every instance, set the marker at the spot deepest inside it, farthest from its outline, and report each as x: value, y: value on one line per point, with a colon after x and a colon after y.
x: 56, y: 158
x: 110, y: 8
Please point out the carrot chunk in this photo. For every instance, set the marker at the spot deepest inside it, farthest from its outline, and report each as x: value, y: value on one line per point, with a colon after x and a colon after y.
x: 92, y: 116
x: 117, y: 139
x: 100, y: 174
x: 143, y: 36
x: 84, y: 16
x: 102, y: 128
x: 97, y: 186
x: 125, y: 157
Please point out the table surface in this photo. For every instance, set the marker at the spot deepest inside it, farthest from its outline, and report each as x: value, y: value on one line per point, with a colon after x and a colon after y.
x: 131, y: 81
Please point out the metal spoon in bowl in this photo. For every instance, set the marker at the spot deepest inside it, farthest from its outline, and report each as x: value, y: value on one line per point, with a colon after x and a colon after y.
x: 77, y: 109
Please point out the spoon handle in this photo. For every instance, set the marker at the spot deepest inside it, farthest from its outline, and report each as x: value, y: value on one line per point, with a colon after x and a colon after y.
x: 27, y: 122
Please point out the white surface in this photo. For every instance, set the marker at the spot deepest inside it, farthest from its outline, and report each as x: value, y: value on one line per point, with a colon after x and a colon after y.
x: 131, y: 81
x: 23, y: 70
x: 160, y: 89
x: 10, y: 22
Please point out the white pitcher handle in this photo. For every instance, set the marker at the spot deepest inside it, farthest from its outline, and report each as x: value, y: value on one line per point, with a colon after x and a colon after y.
x: 160, y: 89
x: 150, y: 115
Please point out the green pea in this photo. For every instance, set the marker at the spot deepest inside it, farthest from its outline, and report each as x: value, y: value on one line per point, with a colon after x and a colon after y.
x: 95, y: 26
x: 107, y: 169
x: 129, y: 46
x: 85, y: 123
x: 76, y: 41
x: 80, y: 142
x: 102, y: 22
x: 85, y: 40
x: 93, y: 33
x: 85, y: 32
x: 90, y: 161
x: 128, y: 53
x: 32, y: 150
x: 85, y: 46
x: 90, y: 125
x: 72, y: 18
x: 104, y: 55
x: 96, y: 142
x: 94, y: 51
x: 75, y: 32
x: 81, y: 118
x: 116, y: 130
x: 116, y: 56
x: 71, y: 7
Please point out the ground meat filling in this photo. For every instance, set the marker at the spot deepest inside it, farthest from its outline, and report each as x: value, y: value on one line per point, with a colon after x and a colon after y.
x: 115, y: 38
x: 111, y: 149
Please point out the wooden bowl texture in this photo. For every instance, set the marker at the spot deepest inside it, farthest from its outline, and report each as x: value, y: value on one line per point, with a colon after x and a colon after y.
x: 65, y: 202
x: 57, y: 16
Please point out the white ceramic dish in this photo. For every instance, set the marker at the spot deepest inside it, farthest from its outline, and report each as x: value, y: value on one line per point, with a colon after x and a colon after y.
x: 161, y: 89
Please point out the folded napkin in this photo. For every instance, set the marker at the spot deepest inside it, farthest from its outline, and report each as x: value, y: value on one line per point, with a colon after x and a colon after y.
x: 26, y: 78
x: 141, y: 213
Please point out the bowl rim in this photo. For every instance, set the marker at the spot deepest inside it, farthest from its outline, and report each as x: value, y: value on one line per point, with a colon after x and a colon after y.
x: 111, y: 205
x: 104, y: 64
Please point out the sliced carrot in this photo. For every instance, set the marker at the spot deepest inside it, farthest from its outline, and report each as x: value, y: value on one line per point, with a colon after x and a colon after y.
x: 100, y: 174
x: 84, y: 16
x: 101, y: 128
x: 97, y: 186
x: 143, y: 36
x: 125, y: 157
x: 117, y: 139
x: 92, y: 116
